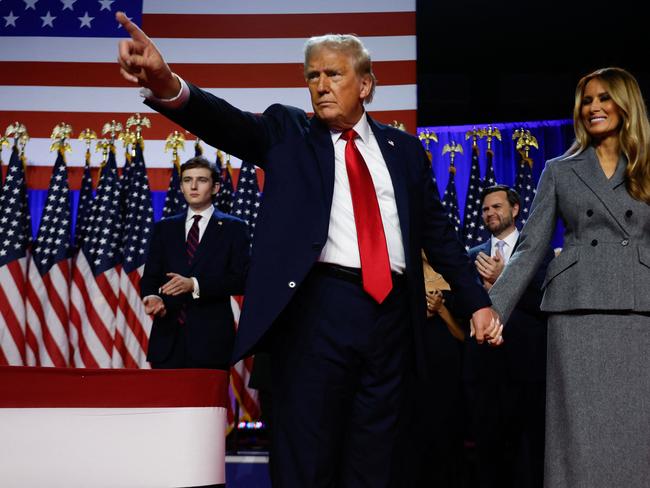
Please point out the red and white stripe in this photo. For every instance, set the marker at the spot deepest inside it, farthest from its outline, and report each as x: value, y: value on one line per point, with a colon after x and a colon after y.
x: 249, y: 407
x: 47, y: 304
x: 133, y: 325
x: 12, y: 313
x: 249, y: 53
x: 93, y: 306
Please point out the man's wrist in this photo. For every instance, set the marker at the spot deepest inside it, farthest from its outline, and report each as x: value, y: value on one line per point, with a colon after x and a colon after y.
x: 177, y: 100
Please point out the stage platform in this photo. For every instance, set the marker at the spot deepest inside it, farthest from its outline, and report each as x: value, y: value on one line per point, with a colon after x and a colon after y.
x: 247, y: 470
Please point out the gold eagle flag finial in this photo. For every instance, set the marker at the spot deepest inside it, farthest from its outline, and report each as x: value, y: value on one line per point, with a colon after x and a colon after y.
x: 19, y: 133
x: 129, y: 140
x: 139, y: 122
x: 105, y: 145
x: 175, y: 141
x: 490, y: 133
x: 452, y: 148
x: 60, y: 138
x: 111, y: 128
x: 427, y: 136
x: 475, y: 134
x: 87, y: 135
x: 525, y: 140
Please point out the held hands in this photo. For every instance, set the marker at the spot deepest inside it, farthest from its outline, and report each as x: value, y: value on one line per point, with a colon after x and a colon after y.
x: 154, y: 305
x: 489, y: 267
x: 141, y: 62
x: 434, y: 302
x: 177, y: 285
x: 486, y: 326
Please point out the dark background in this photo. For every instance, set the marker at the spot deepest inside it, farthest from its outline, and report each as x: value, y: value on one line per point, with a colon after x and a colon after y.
x: 480, y: 62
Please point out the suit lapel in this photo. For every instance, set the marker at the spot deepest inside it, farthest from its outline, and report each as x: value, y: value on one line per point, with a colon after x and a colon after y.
x: 588, y: 169
x: 391, y: 154
x: 177, y: 238
x: 208, y: 239
x: 320, y: 140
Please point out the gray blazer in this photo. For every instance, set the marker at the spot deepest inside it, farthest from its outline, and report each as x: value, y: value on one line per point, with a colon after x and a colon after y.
x: 605, y: 261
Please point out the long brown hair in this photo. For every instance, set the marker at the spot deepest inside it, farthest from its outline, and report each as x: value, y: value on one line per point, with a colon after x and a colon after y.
x: 634, y: 132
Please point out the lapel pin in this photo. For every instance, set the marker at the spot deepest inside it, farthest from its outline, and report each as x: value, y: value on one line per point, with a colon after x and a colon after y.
x: 391, y: 142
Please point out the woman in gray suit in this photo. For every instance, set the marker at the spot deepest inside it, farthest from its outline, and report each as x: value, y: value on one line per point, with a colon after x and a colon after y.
x: 596, y: 291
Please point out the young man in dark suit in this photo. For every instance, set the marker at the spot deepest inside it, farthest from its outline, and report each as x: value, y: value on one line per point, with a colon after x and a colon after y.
x: 196, y: 261
x: 505, y: 386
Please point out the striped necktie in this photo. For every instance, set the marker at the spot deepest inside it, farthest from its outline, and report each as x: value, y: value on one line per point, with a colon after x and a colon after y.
x: 192, y: 239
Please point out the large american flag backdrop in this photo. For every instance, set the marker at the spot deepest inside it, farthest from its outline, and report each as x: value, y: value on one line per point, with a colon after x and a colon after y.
x: 57, y: 59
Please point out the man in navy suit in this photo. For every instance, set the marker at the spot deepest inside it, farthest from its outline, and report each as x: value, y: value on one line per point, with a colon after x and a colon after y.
x: 196, y: 260
x: 505, y: 386
x: 341, y: 326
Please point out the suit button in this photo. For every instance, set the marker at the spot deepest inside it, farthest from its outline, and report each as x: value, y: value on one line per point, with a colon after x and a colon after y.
x: 594, y: 243
x: 625, y: 242
x: 629, y: 213
x: 316, y: 245
x: 292, y: 284
x: 590, y: 212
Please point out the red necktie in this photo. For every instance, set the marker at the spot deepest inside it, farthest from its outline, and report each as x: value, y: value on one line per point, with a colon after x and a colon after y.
x: 375, y: 265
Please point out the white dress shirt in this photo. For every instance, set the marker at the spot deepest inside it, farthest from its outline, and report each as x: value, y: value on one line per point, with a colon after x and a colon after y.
x: 203, y: 222
x: 342, y: 246
x: 510, y: 241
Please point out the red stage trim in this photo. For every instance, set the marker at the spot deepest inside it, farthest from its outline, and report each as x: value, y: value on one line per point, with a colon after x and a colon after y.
x: 26, y: 387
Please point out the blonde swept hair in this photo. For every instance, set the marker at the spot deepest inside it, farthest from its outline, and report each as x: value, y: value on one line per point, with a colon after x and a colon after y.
x: 634, y: 132
x: 348, y: 44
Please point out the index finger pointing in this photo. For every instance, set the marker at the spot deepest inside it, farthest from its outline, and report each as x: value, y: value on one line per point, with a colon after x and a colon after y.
x: 134, y: 31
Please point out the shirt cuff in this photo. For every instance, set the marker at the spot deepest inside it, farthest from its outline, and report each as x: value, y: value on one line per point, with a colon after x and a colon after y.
x: 196, y: 292
x: 171, y: 103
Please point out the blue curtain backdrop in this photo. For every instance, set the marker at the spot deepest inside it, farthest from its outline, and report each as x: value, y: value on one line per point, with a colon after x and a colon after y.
x: 553, y: 137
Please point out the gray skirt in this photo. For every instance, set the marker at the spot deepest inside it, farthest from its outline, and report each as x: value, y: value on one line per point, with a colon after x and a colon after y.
x: 598, y: 401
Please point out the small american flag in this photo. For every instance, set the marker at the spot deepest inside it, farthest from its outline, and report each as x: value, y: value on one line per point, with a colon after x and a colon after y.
x: 84, y: 206
x: 15, y: 238
x: 174, y: 200
x: 450, y: 202
x: 247, y: 198
x: 49, y: 277
x: 95, y: 276
x: 133, y: 325
x: 474, y: 231
x: 224, y: 198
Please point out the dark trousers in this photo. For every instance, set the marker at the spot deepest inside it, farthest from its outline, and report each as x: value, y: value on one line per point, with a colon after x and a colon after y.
x: 437, y: 421
x: 508, y: 425
x: 180, y: 358
x: 338, y: 366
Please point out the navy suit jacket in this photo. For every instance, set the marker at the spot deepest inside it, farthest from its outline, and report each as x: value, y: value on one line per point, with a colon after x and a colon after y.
x: 523, y: 354
x: 297, y: 154
x: 220, y: 265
